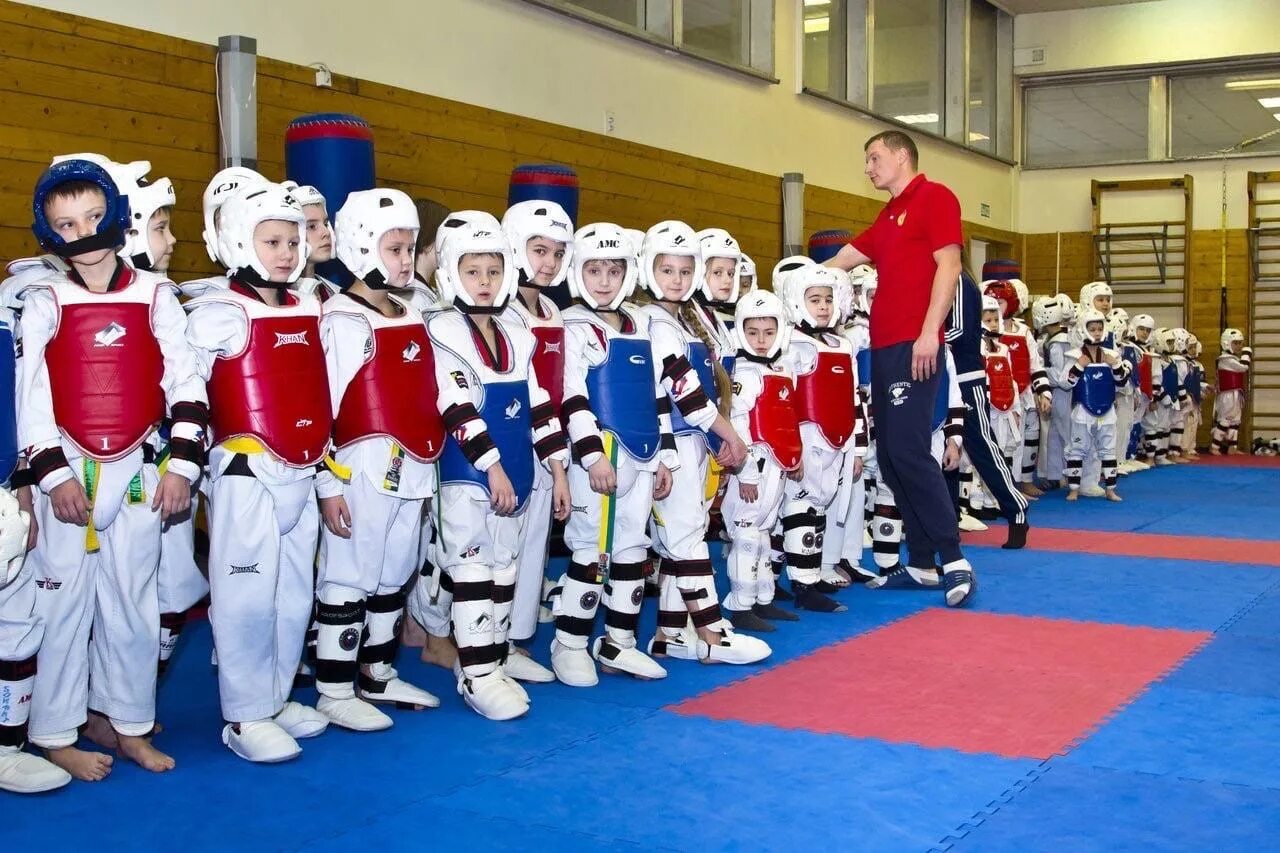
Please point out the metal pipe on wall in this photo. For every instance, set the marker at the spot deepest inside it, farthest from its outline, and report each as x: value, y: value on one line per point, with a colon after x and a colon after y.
x: 237, y: 92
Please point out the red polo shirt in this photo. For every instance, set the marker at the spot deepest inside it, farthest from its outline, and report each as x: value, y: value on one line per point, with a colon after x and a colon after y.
x: 922, y: 219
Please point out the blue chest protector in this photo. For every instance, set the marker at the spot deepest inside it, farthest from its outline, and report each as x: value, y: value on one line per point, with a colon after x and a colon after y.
x: 700, y: 357
x: 942, y: 403
x: 8, y: 416
x: 622, y: 396
x: 863, y: 359
x: 508, y: 416
x: 1134, y: 358
x: 1193, y: 383
x: 1169, y: 377
x: 1096, y: 389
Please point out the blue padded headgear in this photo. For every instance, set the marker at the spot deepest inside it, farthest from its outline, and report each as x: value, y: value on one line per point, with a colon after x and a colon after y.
x: 111, y: 230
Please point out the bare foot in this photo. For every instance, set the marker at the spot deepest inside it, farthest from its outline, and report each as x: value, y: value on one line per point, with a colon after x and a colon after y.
x: 440, y: 651
x: 140, y: 751
x: 1030, y: 490
x: 1073, y: 495
x: 412, y: 634
x: 98, y: 729
x: 81, y: 764
x: 1113, y: 495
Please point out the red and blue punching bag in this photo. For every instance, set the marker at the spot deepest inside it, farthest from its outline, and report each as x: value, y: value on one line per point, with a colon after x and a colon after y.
x: 332, y: 152
x: 547, y: 182
x: 825, y: 245
x: 1001, y: 270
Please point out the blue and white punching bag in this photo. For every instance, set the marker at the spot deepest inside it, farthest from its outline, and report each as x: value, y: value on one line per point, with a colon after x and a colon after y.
x: 825, y: 245
x: 547, y: 182
x: 332, y: 152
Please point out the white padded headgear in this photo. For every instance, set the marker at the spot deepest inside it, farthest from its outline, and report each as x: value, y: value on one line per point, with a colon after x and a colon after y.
x: 799, y: 282
x: 1092, y: 290
x: 525, y: 220
x: 475, y: 238
x: 602, y: 241
x: 758, y: 304
x: 670, y: 237
x: 360, y: 224
x: 747, y: 270
x: 221, y: 187
x: 243, y: 212
x: 1092, y: 315
x: 1228, y: 337
x: 145, y: 198
x: 719, y: 243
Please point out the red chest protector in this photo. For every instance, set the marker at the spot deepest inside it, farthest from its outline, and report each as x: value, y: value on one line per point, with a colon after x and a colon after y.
x: 825, y: 396
x: 1144, y: 374
x: 774, y: 421
x: 548, y: 352
x: 1001, y: 385
x: 105, y: 367
x: 1231, y: 380
x: 548, y: 361
x: 394, y: 394
x: 1019, y: 360
x: 276, y: 389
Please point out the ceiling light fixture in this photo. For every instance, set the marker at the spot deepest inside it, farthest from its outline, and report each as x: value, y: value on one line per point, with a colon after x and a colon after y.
x: 917, y: 118
x: 816, y: 25
x: 1270, y: 103
x: 1270, y: 83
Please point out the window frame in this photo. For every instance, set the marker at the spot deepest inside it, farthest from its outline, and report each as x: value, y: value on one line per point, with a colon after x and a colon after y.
x: 859, y: 77
x: 758, y: 12
x: 1159, y: 104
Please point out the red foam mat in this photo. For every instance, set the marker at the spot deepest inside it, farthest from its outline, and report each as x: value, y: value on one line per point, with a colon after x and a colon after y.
x: 1239, y: 460
x: 1212, y: 549
x: 1015, y: 686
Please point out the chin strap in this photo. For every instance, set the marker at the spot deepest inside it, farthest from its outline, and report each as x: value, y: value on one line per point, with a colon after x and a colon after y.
x: 758, y: 359
x: 112, y: 238
x: 250, y: 276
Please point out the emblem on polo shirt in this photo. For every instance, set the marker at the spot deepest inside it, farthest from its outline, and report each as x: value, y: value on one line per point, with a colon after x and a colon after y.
x: 902, y: 217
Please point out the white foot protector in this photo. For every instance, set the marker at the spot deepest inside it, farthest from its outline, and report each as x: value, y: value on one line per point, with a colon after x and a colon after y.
x: 353, y: 713
x: 301, y: 721
x: 732, y: 648
x: 261, y: 741
x: 492, y: 696
x: 970, y: 524
x: 24, y: 773
x: 573, y: 667
x: 629, y: 660
x: 524, y: 668
x: 1091, y: 492
x: 384, y: 684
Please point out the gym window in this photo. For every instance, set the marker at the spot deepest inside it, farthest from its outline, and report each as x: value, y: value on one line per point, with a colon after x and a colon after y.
x: 941, y: 67
x: 1145, y: 115
x: 736, y: 34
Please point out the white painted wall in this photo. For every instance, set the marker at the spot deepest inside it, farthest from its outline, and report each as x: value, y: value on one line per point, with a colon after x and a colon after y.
x: 1161, y: 31
x: 1145, y: 33
x: 511, y: 56
x: 1058, y: 199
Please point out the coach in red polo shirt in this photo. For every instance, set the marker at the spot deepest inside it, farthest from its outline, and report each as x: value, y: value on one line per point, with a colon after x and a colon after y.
x: 915, y: 246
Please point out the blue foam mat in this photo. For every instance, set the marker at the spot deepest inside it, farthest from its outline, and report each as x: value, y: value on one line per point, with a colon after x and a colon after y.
x: 1151, y: 592
x: 1231, y: 663
x: 1077, y: 808
x: 732, y: 786
x: 606, y: 768
x: 1187, y: 500
x: 1192, y: 734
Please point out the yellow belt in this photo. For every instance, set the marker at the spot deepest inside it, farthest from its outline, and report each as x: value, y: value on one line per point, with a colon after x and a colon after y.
x: 250, y: 446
